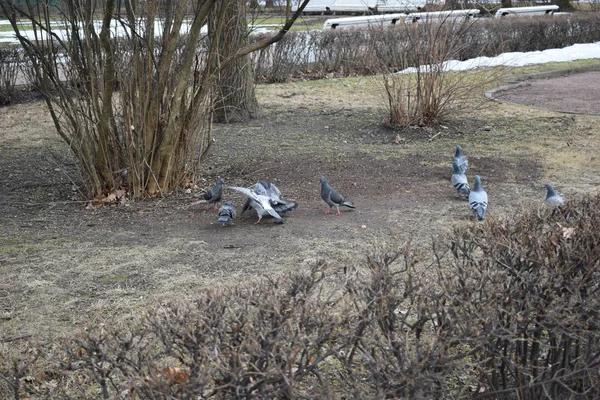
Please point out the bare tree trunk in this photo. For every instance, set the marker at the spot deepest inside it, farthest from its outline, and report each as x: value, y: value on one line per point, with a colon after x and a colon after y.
x: 235, y: 97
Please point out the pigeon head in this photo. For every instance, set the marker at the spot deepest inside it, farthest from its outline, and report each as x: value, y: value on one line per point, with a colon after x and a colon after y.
x: 458, y: 151
x: 549, y: 190
x: 220, y: 181
x: 323, y: 180
x: 264, y: 184
x: 229, y: 203
x: 477, y: 186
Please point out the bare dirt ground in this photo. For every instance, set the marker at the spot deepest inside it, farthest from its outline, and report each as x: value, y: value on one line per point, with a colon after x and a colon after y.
x: 63, y: 266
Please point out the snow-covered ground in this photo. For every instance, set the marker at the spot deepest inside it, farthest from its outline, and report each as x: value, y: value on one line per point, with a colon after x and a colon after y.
x: 582, y: 51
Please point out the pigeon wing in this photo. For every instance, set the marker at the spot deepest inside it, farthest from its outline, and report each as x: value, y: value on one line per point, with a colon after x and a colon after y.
x: 335, y: 197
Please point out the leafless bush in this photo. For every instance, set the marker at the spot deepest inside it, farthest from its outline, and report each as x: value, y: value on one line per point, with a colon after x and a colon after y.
x: 10, y: 61
x: 506, y: 309
x: 528, y: 287
x: 318, y: 54
x: 140, y: 125
x: 428, y: 95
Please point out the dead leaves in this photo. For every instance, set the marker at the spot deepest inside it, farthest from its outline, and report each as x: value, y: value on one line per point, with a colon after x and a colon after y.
x: 170, y: 375
x: 117, y: 197
x: 399, y: 139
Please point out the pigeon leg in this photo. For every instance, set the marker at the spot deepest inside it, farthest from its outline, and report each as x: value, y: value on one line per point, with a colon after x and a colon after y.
x: 259, y: 218
x: 208, y: 207
x: 328, y: 211
x: 338, y: 212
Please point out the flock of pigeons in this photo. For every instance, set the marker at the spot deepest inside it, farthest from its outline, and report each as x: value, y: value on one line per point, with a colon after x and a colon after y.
x: 267, y: 199
x: 478, y: 198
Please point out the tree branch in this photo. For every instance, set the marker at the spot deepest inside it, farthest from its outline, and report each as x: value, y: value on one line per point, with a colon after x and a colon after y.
x: 273, y: 39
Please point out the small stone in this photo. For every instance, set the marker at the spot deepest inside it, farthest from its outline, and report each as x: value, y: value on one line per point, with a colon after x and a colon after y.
x: 487, y: 128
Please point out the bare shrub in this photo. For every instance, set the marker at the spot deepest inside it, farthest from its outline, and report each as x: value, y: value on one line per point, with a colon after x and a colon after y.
x: 137, y: 117
x: 318, y: 54
x: 427, y: 96
x: 528, y: 286
x: 10, y: 61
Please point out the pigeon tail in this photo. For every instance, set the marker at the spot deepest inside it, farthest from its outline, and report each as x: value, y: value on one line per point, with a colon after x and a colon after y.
x: 223, y: 219
x: 480, y: 213
x: 274, y: 214
x: 347, y: 204
x: 462, y: 190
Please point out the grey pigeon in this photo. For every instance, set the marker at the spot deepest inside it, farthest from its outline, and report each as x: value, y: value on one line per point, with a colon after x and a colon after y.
x: 333, y: 198
x: 278, y: 202
x: 259, y: 201
x: 478, y: 199
x: 460, y: 182
x: 213, y: 195
x: 553, y: 199
x: 460, y: 160
x: 226, y: 213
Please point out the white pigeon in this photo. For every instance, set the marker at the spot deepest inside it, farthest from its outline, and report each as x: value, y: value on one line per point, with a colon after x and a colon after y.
x: 278, y: 202
x: 460, y: 182
x: 260, y: 202
x: 478, y: 199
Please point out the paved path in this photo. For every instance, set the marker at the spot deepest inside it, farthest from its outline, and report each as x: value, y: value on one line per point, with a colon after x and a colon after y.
x: 576, y: 93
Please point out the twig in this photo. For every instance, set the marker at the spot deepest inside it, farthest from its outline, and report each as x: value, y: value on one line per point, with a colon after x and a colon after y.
x: 15, y: 338
x: 56, y: 202
x: 334, y: 112
x: 434, y: 136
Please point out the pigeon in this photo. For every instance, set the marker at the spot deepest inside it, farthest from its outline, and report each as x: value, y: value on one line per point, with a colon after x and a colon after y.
x: 333, y: 198
x: 460, y: 182
x: 553, y: 199
x: 478, y: 199
x: 278, y: 202
x: 460, y: 160
x: 213, y: 195
x: 259, y: 201
x: 226, y: 213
